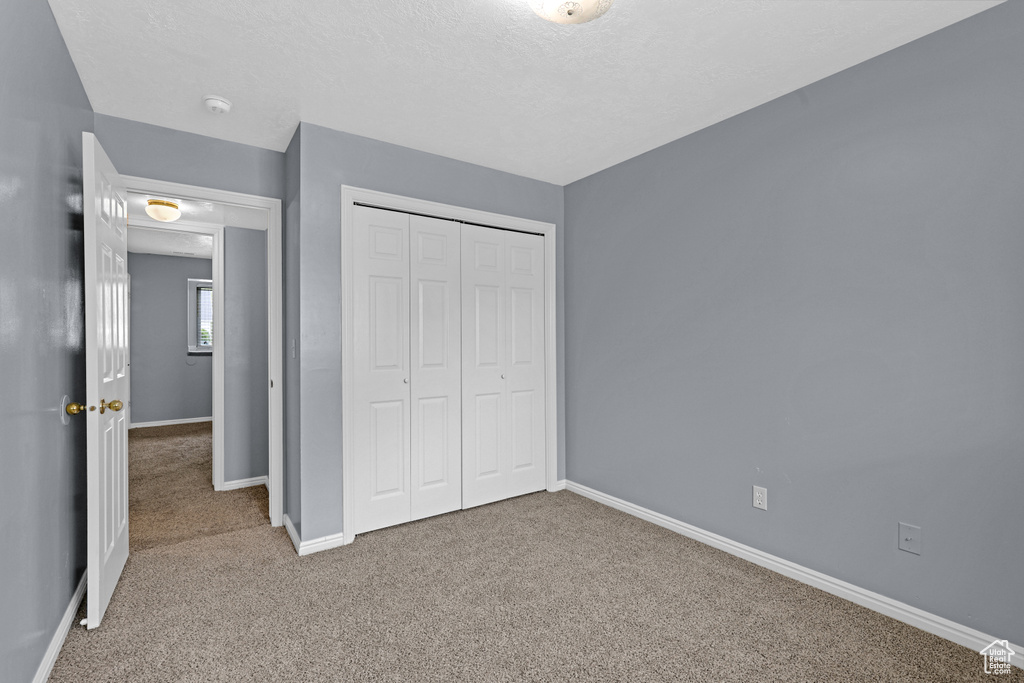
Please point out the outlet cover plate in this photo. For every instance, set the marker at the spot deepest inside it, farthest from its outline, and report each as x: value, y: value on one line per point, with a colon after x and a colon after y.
x: 910, y: 538
x: 760, y: 500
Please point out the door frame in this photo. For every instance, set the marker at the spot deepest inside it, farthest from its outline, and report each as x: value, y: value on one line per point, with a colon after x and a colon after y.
x: 275, y: 341
x: 217, y: 276
x: 350, y: 196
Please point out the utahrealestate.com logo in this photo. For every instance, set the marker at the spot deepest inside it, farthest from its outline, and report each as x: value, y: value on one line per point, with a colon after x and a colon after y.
x: 997, y: 657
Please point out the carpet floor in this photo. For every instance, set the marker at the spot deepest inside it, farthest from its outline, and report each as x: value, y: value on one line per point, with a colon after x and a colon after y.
x: 170, y: 490
x: 546, y: 587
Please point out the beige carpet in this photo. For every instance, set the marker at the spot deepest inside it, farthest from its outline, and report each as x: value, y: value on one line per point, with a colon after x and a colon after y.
x: 547, y: 587
x: 170, y: 490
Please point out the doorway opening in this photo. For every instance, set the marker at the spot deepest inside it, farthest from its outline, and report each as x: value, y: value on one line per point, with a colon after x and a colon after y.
x: 107, y: 350
x: 224, y: 326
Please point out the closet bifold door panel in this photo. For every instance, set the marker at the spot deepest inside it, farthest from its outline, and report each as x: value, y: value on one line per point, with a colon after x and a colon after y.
x: 503, y: 400
x: 381, y: 434
x: 436, y: 324
x: 407, y: 432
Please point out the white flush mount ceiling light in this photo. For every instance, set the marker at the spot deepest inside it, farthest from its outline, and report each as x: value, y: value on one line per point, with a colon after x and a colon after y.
x: 162, y: 210
x: 570, y: 11
x: 216, y: 104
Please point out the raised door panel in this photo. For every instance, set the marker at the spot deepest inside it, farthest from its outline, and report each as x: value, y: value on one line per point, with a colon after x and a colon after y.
x: 387, y: 458
x: 487, y: 431
x: 525, y: 373
x: 487, y: 332
x: 436, y: 389
x: 523, y: 430
x: 387, y: 324
x: 381, y: 376
x: 432, y: 443
x: 434, y: 340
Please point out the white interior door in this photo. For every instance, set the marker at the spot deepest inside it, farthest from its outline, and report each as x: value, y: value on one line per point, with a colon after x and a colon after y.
x: 436, y: 389
x: 380, y: 242
x: 503, y: 448
x: 106, y: 357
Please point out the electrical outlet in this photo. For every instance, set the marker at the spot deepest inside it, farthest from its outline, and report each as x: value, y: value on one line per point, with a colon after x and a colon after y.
x: 910, y: 538
x: 760, y: 497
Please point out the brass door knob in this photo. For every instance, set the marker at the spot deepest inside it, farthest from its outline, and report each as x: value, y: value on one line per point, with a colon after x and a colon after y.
x: 113, y: 405
x: 74, y: 408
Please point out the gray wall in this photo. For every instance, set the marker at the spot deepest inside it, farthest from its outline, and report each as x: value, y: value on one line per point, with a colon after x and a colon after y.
x: 147, y: 151
x: 328, y: 160
x: 167, y: 383
x: 823, y: 296
x: 246, y: 392
x: 43, y: 111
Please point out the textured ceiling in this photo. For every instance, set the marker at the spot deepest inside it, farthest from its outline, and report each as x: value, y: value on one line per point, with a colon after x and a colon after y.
x: 484, y: 81
x: 169, y: 243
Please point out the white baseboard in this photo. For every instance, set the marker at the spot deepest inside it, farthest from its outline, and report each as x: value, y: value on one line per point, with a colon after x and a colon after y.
x: 167, y: 423
x: 314, y: 545
x: 57, y: 642
x: 934, y: 624
x: 558, y: 486
x: 243, y: 483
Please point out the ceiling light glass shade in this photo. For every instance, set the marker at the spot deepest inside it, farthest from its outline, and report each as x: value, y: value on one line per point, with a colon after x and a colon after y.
x: 162, y: 210
x: 570, y: 11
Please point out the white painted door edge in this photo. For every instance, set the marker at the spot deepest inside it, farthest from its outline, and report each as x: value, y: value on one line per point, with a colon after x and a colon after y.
x: 61, y: 634
x: 275, y: 342
x: 926, y: 621
x: 314, y: 545
x: 168, y: 423
x: 352, y: 195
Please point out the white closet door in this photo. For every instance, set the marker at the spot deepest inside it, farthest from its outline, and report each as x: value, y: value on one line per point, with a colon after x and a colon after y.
x: 524, y: 374
x: 436, y: 324
x: 381, y: 375
x: 502, y: 365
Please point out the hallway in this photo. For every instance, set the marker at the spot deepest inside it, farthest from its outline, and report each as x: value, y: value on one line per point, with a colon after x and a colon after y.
x: 171, y: 499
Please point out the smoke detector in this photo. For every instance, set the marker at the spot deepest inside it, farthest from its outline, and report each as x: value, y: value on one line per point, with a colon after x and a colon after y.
x: 216, y: 104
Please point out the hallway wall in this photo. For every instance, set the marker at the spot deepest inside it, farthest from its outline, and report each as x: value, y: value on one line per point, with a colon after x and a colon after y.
x: 246, y: 393
x: 167, y: 382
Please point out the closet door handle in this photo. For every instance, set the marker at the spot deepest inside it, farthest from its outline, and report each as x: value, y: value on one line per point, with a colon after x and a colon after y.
x: 503, y: 375
x: 406, y: 380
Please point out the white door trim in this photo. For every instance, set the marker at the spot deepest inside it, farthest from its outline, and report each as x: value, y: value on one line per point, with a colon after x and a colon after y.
x: 275, y: 342
x: 217, y: 233
x: 350, y: 196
